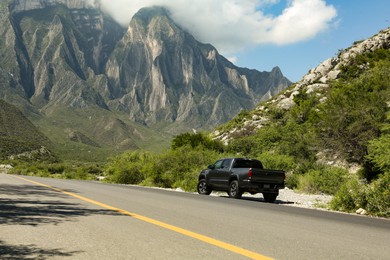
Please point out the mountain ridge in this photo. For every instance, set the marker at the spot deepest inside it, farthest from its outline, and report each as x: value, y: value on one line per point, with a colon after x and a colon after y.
x: 63, y: 53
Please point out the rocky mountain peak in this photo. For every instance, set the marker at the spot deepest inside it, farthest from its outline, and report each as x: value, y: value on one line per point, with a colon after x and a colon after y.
x: 181, y: 78
x: 147, y: 14
x: 153, y: 22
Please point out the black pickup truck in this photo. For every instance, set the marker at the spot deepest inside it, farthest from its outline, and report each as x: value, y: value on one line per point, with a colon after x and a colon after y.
x: 239, y: 175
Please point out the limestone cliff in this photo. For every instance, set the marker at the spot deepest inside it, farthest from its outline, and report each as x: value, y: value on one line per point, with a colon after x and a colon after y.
x: 161, y: 73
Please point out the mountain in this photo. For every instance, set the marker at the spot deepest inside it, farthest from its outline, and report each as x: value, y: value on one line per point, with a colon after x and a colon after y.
x: 84, y: 79
x: 19, y: 136
x: 164, y: 74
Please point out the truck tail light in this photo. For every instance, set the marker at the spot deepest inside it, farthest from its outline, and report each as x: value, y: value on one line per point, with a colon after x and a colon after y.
x: 250, y: 173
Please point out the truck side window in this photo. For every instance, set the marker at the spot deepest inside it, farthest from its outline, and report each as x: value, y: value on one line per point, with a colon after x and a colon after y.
x: 218, y: 164
x: 226, y: 163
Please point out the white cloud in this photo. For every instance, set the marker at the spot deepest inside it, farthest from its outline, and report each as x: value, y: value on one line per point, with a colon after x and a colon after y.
x: 232, y: 59
x: 233, y: 25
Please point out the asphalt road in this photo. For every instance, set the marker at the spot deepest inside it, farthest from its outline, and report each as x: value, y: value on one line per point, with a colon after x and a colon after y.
x: 88, y: 220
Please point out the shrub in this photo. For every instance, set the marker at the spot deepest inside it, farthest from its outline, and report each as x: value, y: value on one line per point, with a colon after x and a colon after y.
x: 324, y: 180
x: 195, y: 140
x: 180, y: 167
x: 243, y: 146
x: 292, y: 180
x: 273, y: 160
x: 56, y: 168
x: 177, y: 168
x: 77, y: 173
x: 129, y: 167
x: 354, y: 112
x: 53, y: 170
x: 378, y: 196
x: 356, y: 193
x: 351, y: 195
x: 379, y: 152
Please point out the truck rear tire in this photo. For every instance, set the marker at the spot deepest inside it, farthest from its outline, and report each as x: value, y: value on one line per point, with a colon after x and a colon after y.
x: 203, y: 188
x: 234, y: 190
x: 270, y: 197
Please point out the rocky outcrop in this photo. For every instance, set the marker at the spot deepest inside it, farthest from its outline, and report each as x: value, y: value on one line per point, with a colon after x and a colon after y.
x: 41, y: 154
x: 318, y: 78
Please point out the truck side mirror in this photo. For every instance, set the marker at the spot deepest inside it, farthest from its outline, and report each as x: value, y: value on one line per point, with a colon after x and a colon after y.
x: 211, y: 167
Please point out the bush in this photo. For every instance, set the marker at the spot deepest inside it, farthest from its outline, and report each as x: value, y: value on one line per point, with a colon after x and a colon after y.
x: 324, y: 180
x: 181, y: 167
x: 379, y: 152
x: 356, y: 193
x: 272, y: 160
x: 290, y: 139
x: 129, y: 167
x: 56, y: 170
x: 177, y: 168
x: 77, y: 174
x: 292, y: 180
x: 195, y: 140
x: 243, y: 146
x: 354, y: 112
x: 378, y: 196
x: 351, y: 196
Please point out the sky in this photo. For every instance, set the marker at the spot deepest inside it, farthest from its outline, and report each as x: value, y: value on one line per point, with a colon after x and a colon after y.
x: 295, y: 35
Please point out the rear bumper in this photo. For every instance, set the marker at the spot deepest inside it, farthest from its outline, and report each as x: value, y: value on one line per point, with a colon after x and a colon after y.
x: 255, y: 187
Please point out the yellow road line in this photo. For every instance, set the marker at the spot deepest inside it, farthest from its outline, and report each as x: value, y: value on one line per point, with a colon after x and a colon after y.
x: 182, y: 231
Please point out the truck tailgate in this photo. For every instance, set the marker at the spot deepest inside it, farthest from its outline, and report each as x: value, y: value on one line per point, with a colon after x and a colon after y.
x: 268, y: 176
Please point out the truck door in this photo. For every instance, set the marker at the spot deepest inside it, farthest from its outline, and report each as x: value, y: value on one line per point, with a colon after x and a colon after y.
x: 213, y: 173
x: 219, y: 176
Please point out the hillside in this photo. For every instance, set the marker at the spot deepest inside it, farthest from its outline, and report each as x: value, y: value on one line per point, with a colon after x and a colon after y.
x: 351, y: 77
x: 18, y: 135
x: 331, y: 130
x: 74, y: 71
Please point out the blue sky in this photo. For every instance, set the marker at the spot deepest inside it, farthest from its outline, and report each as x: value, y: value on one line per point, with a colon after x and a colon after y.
x: 356, y: 20
x: 295, y: 35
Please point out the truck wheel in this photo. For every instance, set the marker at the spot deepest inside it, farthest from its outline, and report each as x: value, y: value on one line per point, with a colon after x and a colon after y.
x: 270, y: 197
x: 234, y: 190
x: 203, y: 188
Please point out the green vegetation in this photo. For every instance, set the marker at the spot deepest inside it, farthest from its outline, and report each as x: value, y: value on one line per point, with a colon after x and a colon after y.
x: 80, y: 171
x: 196, y: 140
x: 323, y: 180
x: 373, y: 196
x: 177, y: 168
x: 99, y: 127
x: 18, y: 134
x: 351, y: 126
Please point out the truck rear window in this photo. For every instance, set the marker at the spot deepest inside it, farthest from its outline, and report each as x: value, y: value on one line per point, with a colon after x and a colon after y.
x: 247, y: 164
